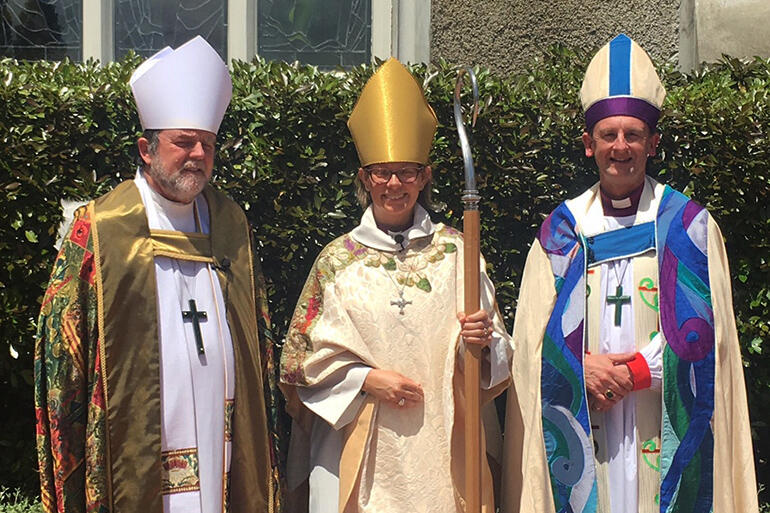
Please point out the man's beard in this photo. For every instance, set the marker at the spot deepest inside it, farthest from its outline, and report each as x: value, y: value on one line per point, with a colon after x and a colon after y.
x: 182, y: 185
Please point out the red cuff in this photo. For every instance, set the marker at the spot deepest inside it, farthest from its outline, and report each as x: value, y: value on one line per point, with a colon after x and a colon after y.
x: 640, y: 371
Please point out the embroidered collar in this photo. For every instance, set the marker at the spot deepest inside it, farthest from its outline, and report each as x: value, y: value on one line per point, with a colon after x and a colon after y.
x: 369, y: 235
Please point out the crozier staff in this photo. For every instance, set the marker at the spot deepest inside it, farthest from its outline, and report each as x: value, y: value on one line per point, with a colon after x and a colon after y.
x: 371, y: 367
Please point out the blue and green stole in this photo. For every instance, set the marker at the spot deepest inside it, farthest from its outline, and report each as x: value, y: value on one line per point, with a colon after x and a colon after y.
x: 679, y: 237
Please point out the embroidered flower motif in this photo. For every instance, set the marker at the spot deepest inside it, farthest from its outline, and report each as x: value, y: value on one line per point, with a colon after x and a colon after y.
x: 375, y: 259
x: 408, y: 269
x: 80, y: 231
x: 175, y: 463
x: 424, y: 284
x: 179, y: 471
x: 313, y: 306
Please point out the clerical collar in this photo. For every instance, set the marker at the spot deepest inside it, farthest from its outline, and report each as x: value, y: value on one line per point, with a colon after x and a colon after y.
x: 369, y: 235
x: 165, y: 214
x: 621, y: 207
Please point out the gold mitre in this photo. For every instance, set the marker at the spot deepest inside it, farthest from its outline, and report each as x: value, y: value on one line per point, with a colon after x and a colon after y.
x: 392, y: 121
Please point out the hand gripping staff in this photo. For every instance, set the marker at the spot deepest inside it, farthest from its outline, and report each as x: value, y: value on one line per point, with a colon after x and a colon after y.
x: 472, y: 359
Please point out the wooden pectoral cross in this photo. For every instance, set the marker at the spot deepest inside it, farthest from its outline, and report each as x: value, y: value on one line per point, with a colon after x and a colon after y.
x: 618, y: 300
x: 195, y: 316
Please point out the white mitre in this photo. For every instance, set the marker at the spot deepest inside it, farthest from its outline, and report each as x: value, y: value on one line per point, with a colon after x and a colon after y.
x: 189, y: 87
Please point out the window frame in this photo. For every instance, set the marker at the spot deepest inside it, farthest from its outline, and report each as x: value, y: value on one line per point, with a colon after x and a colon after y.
x: 400, y: 28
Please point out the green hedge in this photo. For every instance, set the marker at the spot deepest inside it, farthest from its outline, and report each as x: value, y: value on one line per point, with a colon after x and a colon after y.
x: 68, y: 130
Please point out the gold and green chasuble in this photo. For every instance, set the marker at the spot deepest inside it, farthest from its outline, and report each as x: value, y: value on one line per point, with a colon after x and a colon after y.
x: 97, y: 389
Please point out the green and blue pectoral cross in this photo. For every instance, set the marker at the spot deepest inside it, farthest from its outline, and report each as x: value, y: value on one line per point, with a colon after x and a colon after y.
x: 618, y: 300
x: 195, y: 316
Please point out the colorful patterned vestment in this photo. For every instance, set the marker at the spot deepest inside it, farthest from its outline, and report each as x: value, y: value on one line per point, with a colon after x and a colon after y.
x: 97, y: 392
x: 701, y: 448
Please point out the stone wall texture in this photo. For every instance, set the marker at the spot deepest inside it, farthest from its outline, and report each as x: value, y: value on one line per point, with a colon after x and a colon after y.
x: 506, y: 34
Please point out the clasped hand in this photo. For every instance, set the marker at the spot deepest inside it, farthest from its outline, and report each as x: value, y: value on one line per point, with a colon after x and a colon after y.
x: 608, y: 378
x: 396, y: 389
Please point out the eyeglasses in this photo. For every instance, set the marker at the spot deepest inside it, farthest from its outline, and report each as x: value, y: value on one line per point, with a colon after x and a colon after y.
x: 381, y: 175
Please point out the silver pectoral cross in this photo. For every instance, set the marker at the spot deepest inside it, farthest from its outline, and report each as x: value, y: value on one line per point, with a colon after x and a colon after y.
x: 400, y: 303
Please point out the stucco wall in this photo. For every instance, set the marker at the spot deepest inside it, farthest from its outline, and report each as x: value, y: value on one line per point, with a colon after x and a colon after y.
x: 506, y: 34
x: 735, y: 27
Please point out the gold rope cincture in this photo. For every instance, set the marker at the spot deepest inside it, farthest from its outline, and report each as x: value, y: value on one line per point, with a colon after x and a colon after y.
x: 224, y: 412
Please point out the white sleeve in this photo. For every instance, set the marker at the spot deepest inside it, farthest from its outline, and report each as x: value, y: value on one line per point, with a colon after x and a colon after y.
x: 496, y: 362
x: 653, y: 354
x: 339, y: 397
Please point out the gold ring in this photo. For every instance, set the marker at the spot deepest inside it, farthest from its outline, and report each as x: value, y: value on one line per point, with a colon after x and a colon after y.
x: 609, y: 394
x: 401, y: 401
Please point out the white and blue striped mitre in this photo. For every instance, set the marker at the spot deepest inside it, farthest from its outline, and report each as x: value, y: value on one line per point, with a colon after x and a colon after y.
x: 621, y: 81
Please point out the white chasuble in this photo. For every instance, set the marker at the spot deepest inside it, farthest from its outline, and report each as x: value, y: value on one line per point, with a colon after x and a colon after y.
x: 390, y: 306
x: 197, y: 388
x: 622, y: 317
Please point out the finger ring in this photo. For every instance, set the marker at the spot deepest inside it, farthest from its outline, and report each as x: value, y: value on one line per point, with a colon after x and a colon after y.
x: 401, y: 401
x: 486, y: 331
x: 609, y: 394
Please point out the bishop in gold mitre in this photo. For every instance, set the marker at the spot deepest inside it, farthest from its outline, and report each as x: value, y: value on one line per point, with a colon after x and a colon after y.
x: 371, y: 367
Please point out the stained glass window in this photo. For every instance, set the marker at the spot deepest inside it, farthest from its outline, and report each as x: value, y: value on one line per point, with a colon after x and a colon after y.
x: 41, y: 29
x: 327, y: 33
x: 147, y: 26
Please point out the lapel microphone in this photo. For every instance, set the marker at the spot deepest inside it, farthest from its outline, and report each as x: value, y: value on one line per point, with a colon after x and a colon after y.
x: 222, y: 265
x: 399, y: 240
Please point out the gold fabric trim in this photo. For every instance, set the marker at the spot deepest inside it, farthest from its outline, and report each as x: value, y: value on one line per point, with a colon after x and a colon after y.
x: 179, y: 471
x: 250, y: 482
x: 182, y: 245
x: 130, y: 341
x: 226, y: 492
x: 100, y: 327
x: 229, y: 410
x: 357, y: 435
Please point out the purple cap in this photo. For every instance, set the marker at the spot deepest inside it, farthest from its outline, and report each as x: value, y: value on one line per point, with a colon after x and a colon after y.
x: 622, y: 106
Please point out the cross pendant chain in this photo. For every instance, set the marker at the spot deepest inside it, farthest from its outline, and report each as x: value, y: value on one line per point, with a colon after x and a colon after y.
x: 400, y: 303
x: 618, y: 300
x: 194, y: 315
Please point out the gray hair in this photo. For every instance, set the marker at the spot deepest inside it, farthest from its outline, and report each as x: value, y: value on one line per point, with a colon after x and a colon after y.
x: 152, y: 138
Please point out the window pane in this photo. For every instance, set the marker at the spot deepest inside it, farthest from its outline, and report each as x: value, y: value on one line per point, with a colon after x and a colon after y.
x: 147, y: 26
x: 327, y: 33
x: 41, y: 29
